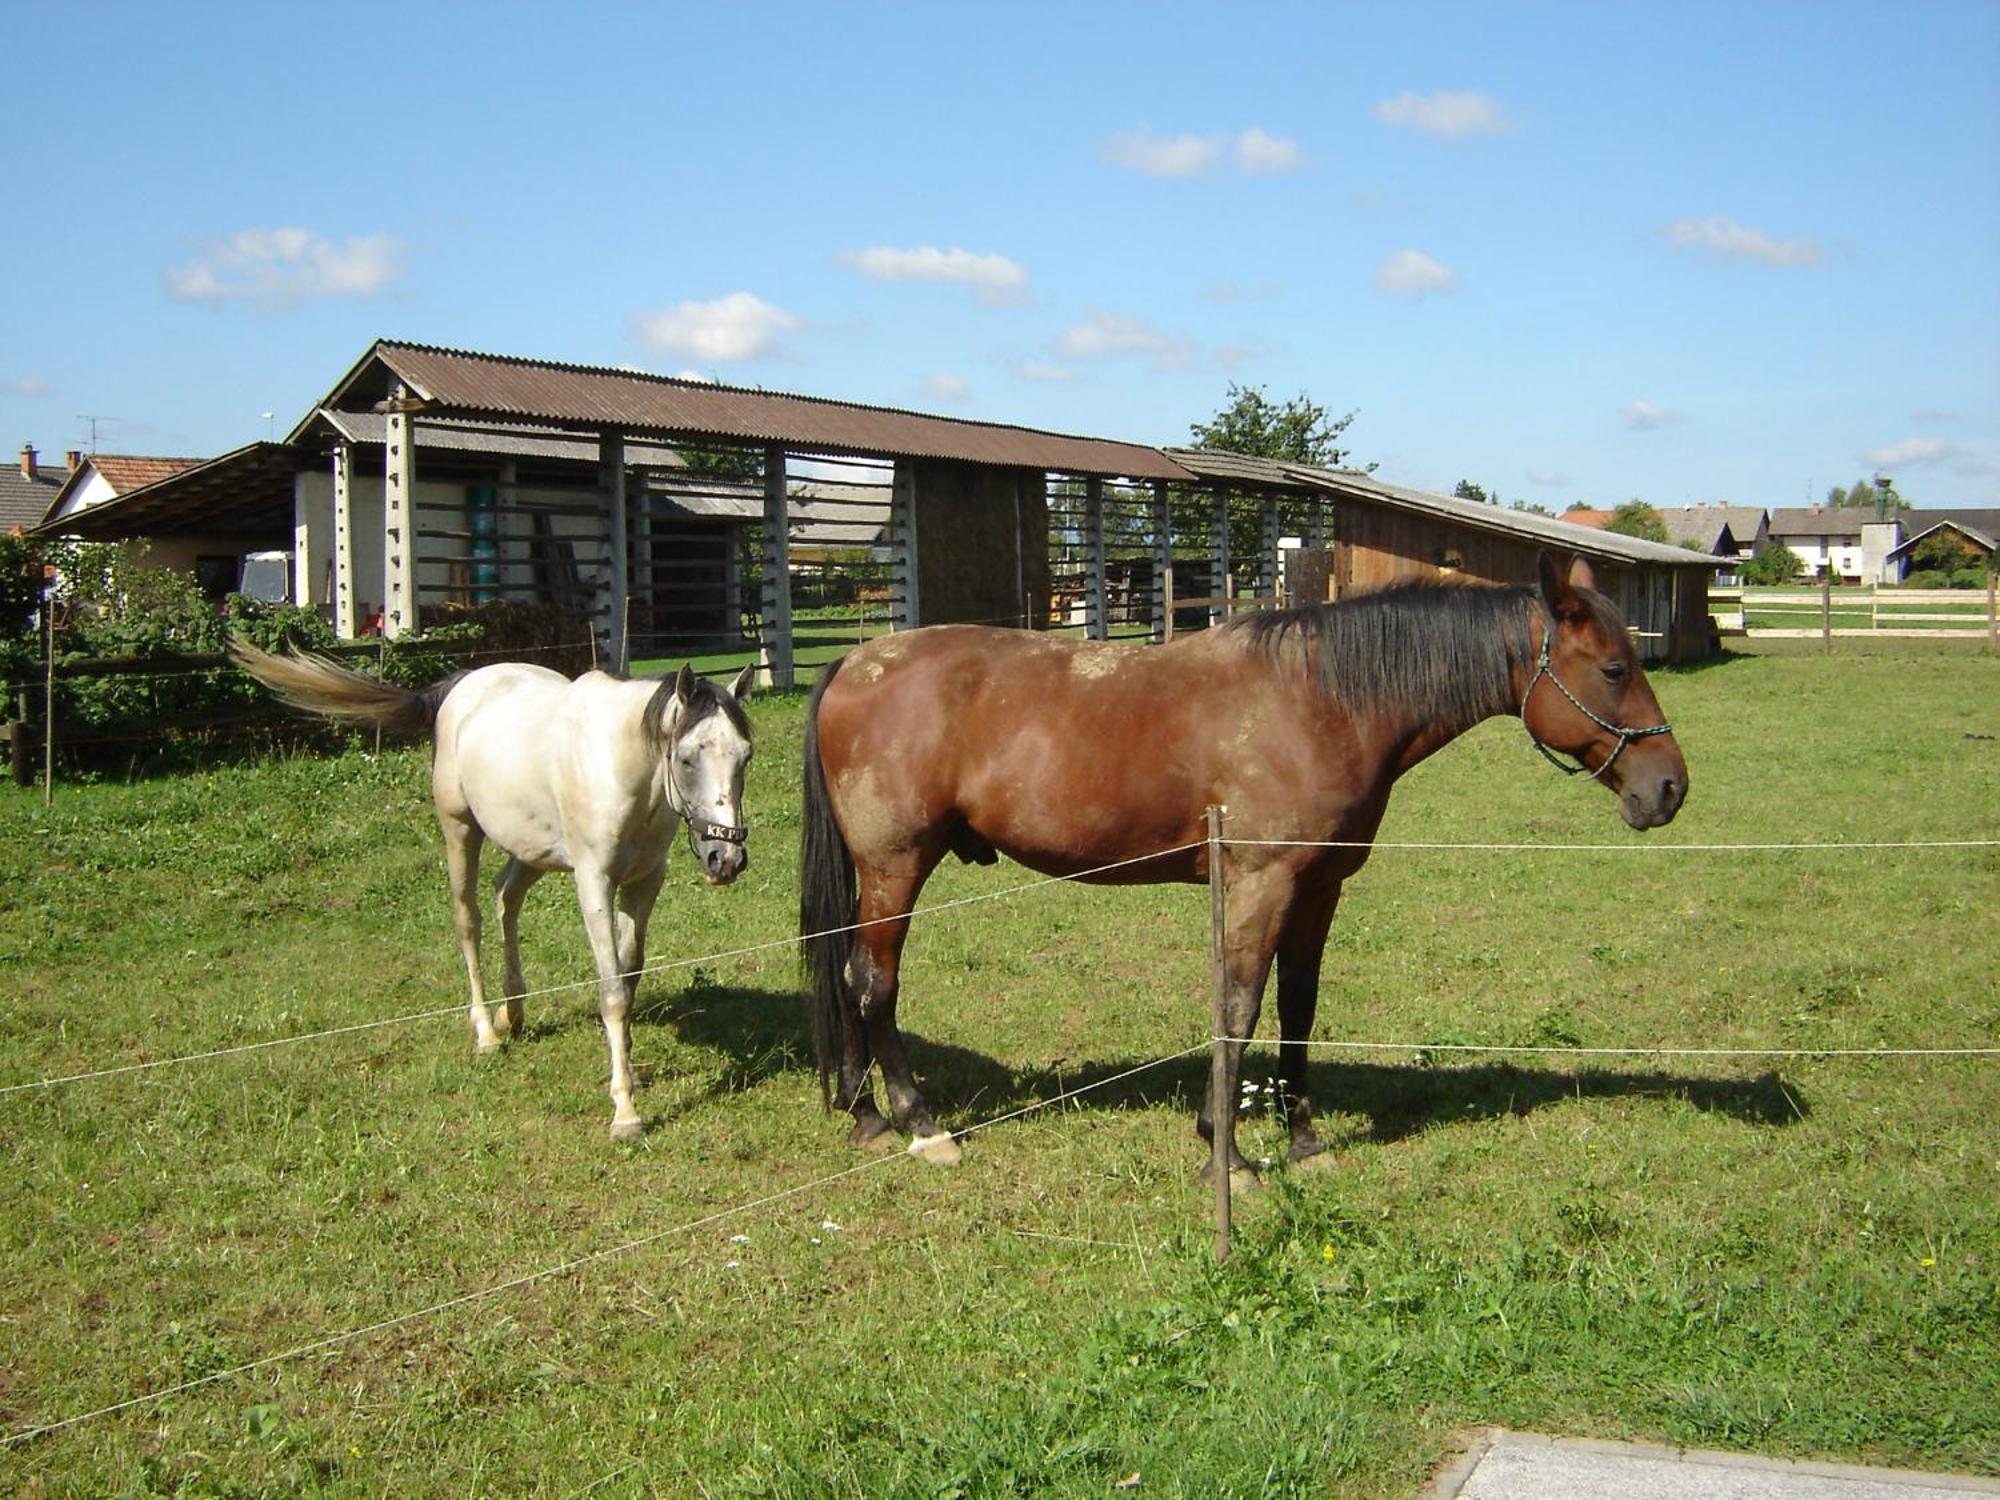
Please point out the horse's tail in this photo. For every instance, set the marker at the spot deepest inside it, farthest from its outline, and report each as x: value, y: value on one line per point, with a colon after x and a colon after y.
x: 826, y: 899
x: 320, y: 685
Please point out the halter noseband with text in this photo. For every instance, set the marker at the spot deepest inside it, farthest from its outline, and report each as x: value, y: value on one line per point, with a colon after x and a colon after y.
x: 1625, y: 735
x: 717, y: 833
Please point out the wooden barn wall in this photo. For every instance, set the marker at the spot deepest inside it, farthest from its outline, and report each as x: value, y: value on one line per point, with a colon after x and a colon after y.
x: 982, y: 544
x: 1376, y: 545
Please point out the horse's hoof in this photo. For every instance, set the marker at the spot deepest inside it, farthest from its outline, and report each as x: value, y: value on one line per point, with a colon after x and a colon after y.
x: 1319, y: 1159
x: 627, y: 1130
x: 872, y: 1134
x: 939, y: 1150
x: 1245, y: 1183
x: 496, y: 1045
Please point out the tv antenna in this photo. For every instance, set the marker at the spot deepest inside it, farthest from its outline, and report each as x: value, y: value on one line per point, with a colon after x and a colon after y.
x: 93, y: 420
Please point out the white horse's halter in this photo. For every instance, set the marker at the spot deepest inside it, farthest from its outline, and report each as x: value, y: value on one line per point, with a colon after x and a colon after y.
x: 718, y: 833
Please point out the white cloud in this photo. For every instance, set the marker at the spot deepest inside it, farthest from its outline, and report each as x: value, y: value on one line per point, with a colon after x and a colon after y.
x: 1644, y: 416
x: 1922, y: 452
x: 701, y: 377
x: 1411, y: 273
x: 1162, y: 156
x: 735, y: 327
x: 1445, y: 115
x: 26, y: 385
x: 1726, y: 239
x: 993, y: 277
x: 948, y: 389
x: 1044, y: 371
x: 277, y: 268
x: 1554, y: 479
x: 1254, y: 152
x: 1230, y: 293
x: 1262, y: 155
x: 1106, y: 335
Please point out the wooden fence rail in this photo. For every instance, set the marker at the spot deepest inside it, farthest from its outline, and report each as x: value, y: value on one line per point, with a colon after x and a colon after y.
x: 1853, y: 613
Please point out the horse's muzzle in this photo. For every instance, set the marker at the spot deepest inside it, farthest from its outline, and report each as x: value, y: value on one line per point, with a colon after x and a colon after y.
x: 1653, y: 803
x: 722, y: 862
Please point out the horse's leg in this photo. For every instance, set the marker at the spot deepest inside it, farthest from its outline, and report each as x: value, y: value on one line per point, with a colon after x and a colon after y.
x: 1301, y: 946
x: 635, y: 909
x: 597, y: 897
x: 508, y: 893
x: 875, y: 969
x: 1257, y: 902
x: 462, y: 840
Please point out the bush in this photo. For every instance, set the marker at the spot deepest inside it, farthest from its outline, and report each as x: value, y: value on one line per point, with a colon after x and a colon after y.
x: 1773, y: 564
x: 1968, y: 578
x: 1927, y: 580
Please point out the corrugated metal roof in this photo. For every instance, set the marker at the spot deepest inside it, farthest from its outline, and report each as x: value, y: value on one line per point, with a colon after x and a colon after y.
x: 501, y: 440
x: 1521, y: 523
x: 462, y: 383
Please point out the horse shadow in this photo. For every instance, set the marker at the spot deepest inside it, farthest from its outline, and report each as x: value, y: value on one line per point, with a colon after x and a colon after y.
x: 764, y: 1033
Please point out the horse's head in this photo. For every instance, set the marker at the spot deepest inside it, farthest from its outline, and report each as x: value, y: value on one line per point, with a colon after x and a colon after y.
x: 706, y: 751
x: 1588, y: 699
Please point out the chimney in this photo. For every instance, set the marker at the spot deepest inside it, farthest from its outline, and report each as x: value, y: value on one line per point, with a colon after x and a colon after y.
x: 73, y: 459
x: 28, y: 470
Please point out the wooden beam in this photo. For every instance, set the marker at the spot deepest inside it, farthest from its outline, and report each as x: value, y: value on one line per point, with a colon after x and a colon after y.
x: 776, y: 655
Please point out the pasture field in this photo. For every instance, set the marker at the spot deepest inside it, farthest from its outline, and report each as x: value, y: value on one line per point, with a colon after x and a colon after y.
x: 1796, y: 1256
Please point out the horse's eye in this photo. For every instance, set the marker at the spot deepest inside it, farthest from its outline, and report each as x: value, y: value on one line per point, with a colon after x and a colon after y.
x: 1614, y: 671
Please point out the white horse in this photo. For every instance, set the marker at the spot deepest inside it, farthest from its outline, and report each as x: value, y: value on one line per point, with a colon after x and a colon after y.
x: 594, y: 775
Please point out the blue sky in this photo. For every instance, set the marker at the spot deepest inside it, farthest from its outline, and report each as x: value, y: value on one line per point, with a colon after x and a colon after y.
x: 1576, y: 252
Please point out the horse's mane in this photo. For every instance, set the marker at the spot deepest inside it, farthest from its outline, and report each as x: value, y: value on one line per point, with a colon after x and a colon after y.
x: 706, y: 699
x: 1445, y: 651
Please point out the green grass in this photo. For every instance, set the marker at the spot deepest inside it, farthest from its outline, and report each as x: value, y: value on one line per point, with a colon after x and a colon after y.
x: 1800, y: 1257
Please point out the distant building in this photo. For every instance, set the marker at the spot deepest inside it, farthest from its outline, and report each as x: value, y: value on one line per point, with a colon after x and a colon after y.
x: 29, y: 488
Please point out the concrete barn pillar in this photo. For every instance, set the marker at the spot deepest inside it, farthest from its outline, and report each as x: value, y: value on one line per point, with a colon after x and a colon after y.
x: 611, y: 479
x: 906, y: 608
x: 399, y: 518
x: 776, y: 657
x: 1163, y: 556
x: 312, y: 541
x: 1268, y: 564
x: 1223, y: 562
x: 1096, y: 620
x: 346, y: 597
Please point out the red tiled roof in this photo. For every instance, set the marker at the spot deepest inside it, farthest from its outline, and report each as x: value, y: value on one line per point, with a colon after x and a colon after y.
x: 123, y: 471
x: 1584, y: 516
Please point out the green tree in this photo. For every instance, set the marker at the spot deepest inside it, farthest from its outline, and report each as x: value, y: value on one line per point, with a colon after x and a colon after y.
x: 1299, y: 431
x: 1467, y: 490
x: 1944, y: 551
x: 1637, y: 518
x: 1775, y: 563
x: 1861, y: 495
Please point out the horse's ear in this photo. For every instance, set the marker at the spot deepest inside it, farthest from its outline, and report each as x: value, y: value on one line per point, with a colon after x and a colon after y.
x: 1581, y: 574
x: 745, y: 683
x: 1558, y: 590
x: 684, y: 685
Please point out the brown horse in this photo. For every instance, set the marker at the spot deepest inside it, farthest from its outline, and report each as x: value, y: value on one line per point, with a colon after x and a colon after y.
x: 1068, y: 755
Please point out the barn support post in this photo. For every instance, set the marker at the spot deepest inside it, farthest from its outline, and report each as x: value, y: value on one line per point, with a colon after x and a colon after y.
x: 611, y: 469
x: 905, y: 607
x: 1221, y: 1080
x: 1096, y: 620
x: 1992, y: 610
x: 1270, y: 573
x: 399, y: 517
x: 1826, y: 609
x: 346, y: 600
x: 1217, y: 614
x: 776, y: 657
x: 1163, y: 556
x: 506, y: 501
x: 312, y: 556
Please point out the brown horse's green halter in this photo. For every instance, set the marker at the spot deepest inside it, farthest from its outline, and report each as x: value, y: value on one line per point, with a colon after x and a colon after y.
x: 1625, y: 735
